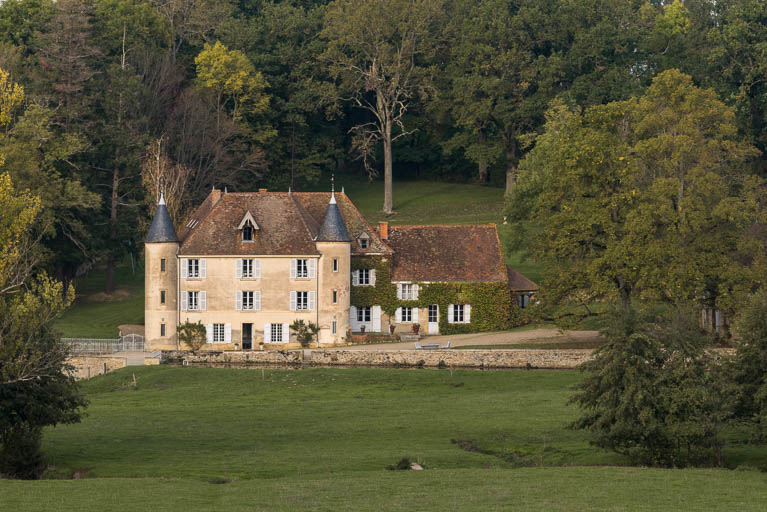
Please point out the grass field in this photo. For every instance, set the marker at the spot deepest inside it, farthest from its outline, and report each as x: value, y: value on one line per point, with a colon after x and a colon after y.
x: 416, y: 202
x: 320, y: 439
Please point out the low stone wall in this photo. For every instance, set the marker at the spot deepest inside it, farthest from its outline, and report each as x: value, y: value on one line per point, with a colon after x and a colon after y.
x: 86, y: 367
x: 552, y: 359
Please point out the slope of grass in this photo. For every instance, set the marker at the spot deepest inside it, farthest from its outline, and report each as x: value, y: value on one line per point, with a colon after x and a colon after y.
x: 320, y: 439
x: 99, y: 319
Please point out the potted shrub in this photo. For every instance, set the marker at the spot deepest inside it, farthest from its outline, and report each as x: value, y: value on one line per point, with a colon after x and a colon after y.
x: 362, y: 329
x: 391, y: 329
x: 416, y: 328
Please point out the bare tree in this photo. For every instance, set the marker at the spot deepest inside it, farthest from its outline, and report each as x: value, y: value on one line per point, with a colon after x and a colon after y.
x: 161, y: 175
x: 377, y: 51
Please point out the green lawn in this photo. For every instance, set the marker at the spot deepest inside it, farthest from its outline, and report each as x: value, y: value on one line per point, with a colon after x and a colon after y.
x: 320, y: 439
x: 553, y: 345
x: 87, y: 319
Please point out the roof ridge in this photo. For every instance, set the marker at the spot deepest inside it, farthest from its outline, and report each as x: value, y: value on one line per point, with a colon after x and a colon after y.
x: 302, y: 213
x: 408, y: 226
x: 370, y: 227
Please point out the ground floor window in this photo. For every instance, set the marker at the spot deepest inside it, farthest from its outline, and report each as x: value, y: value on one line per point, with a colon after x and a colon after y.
x: 162, y: 330
x: 458, y: 313
x: 363, y: 314
x: 407, y: 314
x: 433, y: 314
x: 219, y: 333
x: 523, y: 300
x: 334, y: 327
x: 276, y: 334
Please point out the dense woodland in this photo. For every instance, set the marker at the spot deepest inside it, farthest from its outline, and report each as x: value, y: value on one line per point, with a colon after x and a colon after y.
x: 124, y: 97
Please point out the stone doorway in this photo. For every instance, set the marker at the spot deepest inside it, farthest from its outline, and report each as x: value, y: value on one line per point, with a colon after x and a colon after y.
x: 247, y: 336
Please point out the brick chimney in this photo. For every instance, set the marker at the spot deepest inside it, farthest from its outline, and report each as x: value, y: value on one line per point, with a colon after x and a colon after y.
x: 383, y: 230
x: 261, y: 190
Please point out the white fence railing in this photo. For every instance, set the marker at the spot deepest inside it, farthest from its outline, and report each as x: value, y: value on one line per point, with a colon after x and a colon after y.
x: 128, y: 343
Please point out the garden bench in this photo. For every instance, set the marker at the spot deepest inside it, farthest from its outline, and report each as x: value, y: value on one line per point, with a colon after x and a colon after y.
x: 427, y: 346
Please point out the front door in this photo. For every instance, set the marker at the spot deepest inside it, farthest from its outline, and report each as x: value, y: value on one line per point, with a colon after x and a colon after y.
x: 433, y: 319
x: 247, y: 336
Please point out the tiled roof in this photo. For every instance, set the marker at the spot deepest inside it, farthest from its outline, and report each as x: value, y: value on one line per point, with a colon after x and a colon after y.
x: 518, y: 282
x: 282, y: 230
x: 162, y: 227
x: 447, y: 253
x: 316, y: 203
x: 333, y: 228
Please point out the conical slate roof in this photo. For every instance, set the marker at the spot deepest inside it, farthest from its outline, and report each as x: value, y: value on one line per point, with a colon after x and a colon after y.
x: 162, y: 227
x: 333, y: 228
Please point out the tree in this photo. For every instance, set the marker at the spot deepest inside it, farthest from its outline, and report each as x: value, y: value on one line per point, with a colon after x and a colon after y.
x: 500, y: 84
x: 36, y: 389
x: 651, y: 393
x: 648, y: 198
x: 378, y: 53
x: 161, y: 176
x: 305, y: 333
x: 193, y: 335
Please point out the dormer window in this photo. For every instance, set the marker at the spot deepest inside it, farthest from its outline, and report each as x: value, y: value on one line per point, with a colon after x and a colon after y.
x: 247, y: 227
x: 364, y: 241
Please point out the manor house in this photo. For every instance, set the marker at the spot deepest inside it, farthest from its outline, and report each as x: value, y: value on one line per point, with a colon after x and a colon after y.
x: 247, y: 265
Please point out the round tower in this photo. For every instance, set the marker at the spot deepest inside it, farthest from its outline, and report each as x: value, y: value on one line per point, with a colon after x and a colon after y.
x: 333, y: 300
x: 161, y: 282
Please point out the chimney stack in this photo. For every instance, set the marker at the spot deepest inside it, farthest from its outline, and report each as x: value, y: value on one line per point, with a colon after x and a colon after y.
x: 383, y: 230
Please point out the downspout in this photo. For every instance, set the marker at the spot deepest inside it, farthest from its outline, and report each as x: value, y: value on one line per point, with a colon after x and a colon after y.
x: 178, y: 298
x: 317, y: 298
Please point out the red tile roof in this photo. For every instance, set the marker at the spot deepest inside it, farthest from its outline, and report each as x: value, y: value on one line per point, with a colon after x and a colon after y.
x: 447, y: 253
x: 518, y: 282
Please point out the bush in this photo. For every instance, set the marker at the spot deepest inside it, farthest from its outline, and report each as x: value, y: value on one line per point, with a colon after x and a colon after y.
x: 305, y: 333
x: 653, y: 394
x: 20, y: 452
x: 195, y: 336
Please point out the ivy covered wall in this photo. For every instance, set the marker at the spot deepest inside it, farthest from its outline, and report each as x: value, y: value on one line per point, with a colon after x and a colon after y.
x: 491, y: 305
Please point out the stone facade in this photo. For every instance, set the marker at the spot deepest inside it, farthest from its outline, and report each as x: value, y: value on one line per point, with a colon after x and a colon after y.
x: 86, y: 367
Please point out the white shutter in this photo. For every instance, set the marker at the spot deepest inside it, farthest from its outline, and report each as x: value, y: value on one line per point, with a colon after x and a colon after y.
x: 415, y: 292
x: 184, y: 300
x: 227, y: 333
x: 238, y: 271
x: 450, y: 310
x: 292, y: 269
x: 184, y: 268
x: 467, y: 314
x: 372, y: 277
x: 286, y: 333
x: 257, y: 268
x: 312, y: 298
x: 398, y: 316
x: 415, y: 315
x: 238, y: 300
x: 203, y: 268
x: 257, y: 300
x: 312, y: 269
x: 292, y: 301
x: 353, y: 318
x: 203, y: 302
x: 209, y: 333
x: 399, y: 291
x: 376, y: 319
x: 356, y: 278
x: 267, y: 333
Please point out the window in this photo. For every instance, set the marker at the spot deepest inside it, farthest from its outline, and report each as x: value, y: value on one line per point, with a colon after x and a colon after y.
x: 162, y: 296
x: 409, y: 292
x: 334, y: 326
x: 247, y: 233
x: 364, y: 277
x: 363, y: 243
x: 407, y: 314
x: 523, y: 300
x: 162, y: 264
x: 162, y: 330
x: 302, y: 301
x: 193, y: 301
x: 247, y: 300
x: 433, y: 314
x: 247, y: 268
x: 363, y: 314
x: 458, y: 313
x: 193, y: 268
x: 302, y: 268
x: 218, y: 333
x: 335, y: 264
x: 335, y: 296
x: 275, y: 334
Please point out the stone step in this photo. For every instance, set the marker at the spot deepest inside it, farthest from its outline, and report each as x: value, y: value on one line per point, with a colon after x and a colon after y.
x: 409, y: 337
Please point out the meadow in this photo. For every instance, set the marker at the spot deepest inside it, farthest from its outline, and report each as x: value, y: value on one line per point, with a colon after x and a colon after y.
x: 416, y: 202
x: 321, y: 439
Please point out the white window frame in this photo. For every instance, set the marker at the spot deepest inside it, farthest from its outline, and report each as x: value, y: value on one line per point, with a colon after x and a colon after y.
x: 364, y: 243
x: 193, y: 268
x: 302, y: 301
x: 219, y: 333
x: 274, y: 328
x: 435, y: 309
x: 362, y: 317
x: 363, y: 278
x: 454, y: 317
x: 248, y: 300
x: 302, y: 268
x: 193, y: 305
x: 407, y: 314
x: 459, y: 313
x: 247, y: 268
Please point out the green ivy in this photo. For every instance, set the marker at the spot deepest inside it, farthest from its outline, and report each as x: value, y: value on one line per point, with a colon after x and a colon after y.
x: 491, y: 305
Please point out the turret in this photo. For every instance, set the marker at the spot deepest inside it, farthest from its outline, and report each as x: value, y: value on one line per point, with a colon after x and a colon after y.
x: 334, y: 243
x: 161, y: 281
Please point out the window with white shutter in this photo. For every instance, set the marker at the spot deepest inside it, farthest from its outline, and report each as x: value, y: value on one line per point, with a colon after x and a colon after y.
x: 184, y: 300
x: 450, y: 311
x: 238, y: 300
x: 312, y: 300
x: 203, y: 301
x: 257, y: 269
x: 209, y: 333
x: 227, y: 333
x: 257, y: 300
x: 184, y: 268
x: 312, y: 268
x: 414, y: 315
x: 238, y: 269
x: 356, y: 278
x: 292, y: 301
x: 372, y: 277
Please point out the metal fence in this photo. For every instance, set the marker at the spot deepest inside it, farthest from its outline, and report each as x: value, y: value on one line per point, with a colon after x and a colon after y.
x: 127, y: 343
